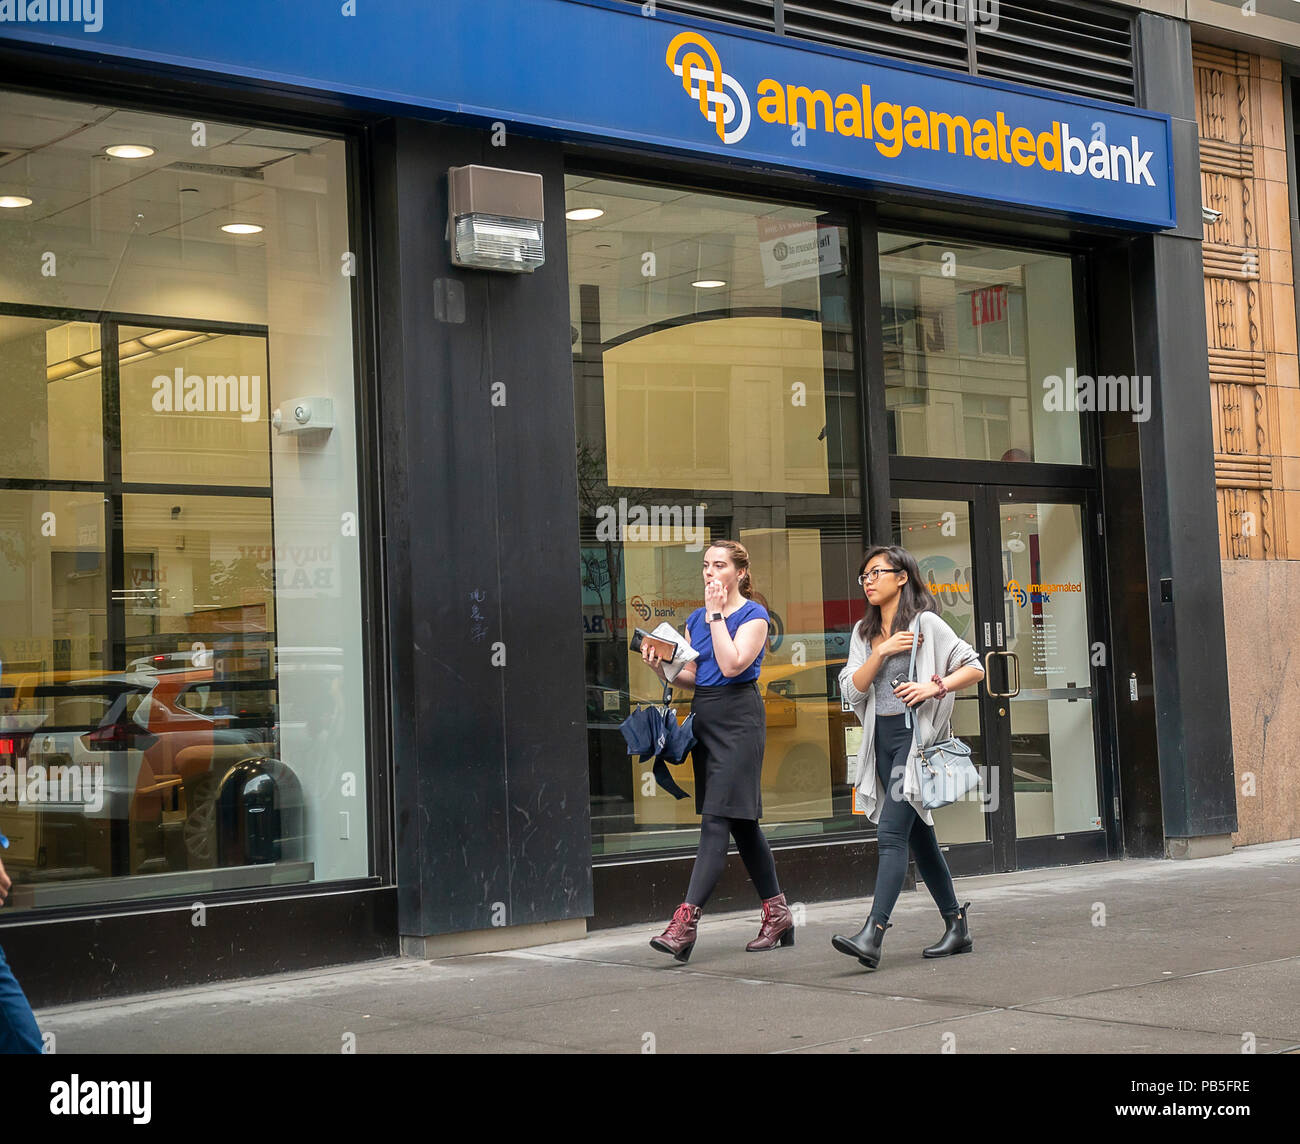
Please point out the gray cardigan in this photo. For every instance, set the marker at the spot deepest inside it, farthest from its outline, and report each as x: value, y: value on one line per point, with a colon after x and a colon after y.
x: 941, y: 646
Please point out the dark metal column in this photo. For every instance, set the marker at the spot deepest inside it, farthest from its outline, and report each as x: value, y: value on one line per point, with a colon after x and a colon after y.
x: 1185, y: 600
x: 481, y: 512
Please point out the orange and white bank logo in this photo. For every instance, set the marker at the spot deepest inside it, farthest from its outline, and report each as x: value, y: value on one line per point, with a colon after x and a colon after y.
x: 893, y: 126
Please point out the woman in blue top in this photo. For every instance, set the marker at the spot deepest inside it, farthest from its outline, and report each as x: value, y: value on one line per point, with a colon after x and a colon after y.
x: 730, y: 633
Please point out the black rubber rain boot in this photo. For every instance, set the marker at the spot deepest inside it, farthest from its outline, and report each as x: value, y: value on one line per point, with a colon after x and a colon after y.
x: 865, y: 944
x: 956, y: 938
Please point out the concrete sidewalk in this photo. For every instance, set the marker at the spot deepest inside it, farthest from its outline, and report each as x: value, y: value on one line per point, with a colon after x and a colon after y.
x: 1199, y: 956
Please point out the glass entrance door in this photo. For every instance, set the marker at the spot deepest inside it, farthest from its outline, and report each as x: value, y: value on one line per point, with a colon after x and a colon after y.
x: 1011, y: 570
x: 1043, y: 671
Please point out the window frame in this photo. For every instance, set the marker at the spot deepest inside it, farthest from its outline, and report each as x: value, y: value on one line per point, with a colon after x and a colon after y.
x: 136, y: 87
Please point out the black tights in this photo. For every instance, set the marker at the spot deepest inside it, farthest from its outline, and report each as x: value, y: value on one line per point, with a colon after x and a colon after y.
x: 712, y: 857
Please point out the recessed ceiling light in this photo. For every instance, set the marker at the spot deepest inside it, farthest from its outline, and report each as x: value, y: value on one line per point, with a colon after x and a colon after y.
x: 129, y: 151
x: 708, y: 283
x: 583, y: 214
x: 242, y: 228
x: 12, y: 201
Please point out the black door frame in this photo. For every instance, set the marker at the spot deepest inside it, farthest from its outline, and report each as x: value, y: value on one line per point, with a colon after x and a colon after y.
x: 983, y: 499
x: 1079, y: 846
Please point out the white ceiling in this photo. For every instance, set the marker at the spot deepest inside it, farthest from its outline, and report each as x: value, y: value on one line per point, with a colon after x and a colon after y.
x: 52, y: 151
x: 692, y: 234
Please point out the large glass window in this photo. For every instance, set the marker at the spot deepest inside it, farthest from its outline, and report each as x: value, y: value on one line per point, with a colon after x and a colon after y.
x: 180, y: 604
x: 716, y: 393
x: 979, y: 347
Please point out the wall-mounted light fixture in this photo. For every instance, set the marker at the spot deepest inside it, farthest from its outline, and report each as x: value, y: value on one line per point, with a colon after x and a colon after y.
x: 495, y: 219
x: 304, y: 415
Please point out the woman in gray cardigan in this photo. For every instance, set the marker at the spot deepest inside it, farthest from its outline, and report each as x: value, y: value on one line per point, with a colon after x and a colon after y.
x: 887, y: 787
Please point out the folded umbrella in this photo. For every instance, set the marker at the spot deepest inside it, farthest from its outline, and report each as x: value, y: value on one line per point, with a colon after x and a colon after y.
x: 655, y: 732
x: 645, y: 731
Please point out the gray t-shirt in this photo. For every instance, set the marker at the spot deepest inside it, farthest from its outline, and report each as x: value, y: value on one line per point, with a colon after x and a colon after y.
x: 887, y: 703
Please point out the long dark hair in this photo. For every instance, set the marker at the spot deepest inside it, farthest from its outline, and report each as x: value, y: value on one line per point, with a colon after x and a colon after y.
x: 913, y: 598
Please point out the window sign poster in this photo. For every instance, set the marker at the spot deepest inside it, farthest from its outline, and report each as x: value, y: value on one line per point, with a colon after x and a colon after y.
x: 793, y: 249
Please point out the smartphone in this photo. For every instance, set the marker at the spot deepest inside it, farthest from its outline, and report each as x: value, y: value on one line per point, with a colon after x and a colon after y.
x: 664, y: 649
x: 897, y: 680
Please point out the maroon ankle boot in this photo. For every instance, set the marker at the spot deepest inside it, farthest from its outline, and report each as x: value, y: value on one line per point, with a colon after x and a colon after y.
x: 778, y: 925
x: 679, y: 938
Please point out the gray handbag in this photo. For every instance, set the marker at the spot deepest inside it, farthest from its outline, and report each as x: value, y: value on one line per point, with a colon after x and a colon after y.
x: 946, y: 770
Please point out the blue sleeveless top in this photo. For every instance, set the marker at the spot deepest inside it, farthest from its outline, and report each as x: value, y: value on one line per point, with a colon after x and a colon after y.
x: 707, y: 672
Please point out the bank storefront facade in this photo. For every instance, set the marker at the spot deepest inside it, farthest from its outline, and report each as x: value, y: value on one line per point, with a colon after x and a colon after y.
x: 360, y: 410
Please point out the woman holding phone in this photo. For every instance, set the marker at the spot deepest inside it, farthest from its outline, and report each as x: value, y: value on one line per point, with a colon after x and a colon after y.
x: 876, y: 682
x: 730, y: 634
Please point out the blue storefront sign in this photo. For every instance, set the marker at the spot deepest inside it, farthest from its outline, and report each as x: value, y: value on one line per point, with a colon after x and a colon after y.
x: 598, y: 69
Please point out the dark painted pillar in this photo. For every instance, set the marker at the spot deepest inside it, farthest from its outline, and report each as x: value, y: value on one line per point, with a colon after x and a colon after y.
x: 1185, y: 602
x: 491, y: 807
x: 1129, y: 656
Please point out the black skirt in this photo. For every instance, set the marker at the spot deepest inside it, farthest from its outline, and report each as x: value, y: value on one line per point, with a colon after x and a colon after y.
x: 731, y: 733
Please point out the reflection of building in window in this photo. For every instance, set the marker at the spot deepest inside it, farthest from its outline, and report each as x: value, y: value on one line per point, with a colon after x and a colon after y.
x: 986, y: 422
x: 725, y: 403
x: 959, y: 372
x: 716, y: 371
x: 991, y: 321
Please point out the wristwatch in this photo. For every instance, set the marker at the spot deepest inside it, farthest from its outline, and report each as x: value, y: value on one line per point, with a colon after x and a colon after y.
x: 715, y: 616
x: 942, y: 689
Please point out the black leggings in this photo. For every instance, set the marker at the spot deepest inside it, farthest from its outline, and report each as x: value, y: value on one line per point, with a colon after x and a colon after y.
x: 712, y: 857
x: 900, y: 825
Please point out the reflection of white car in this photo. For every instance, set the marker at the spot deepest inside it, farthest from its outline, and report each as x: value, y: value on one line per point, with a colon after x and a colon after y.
x: 94, y: 729
x: 172, y: 661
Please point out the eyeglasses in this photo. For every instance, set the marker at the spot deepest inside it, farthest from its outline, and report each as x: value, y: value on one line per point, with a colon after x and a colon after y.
x: 870, y: 577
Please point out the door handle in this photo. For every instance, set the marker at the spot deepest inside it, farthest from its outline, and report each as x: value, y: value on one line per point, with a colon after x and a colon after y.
x: 988, y: 673
x: 1014, y: 659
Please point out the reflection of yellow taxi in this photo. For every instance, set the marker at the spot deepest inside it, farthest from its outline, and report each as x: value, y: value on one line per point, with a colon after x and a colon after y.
x: 804, y: 764
x: 18, y: 694
x: 806, y: 722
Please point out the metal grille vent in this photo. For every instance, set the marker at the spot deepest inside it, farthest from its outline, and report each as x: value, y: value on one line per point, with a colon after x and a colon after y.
x: 1068, y: 47
x: 1073, y: 47
x: 751, y: 13
x: 869, y: 26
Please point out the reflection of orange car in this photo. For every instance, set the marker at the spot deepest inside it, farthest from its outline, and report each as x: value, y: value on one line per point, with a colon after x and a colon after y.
x: 203, y: 726
x: 155, y: 744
